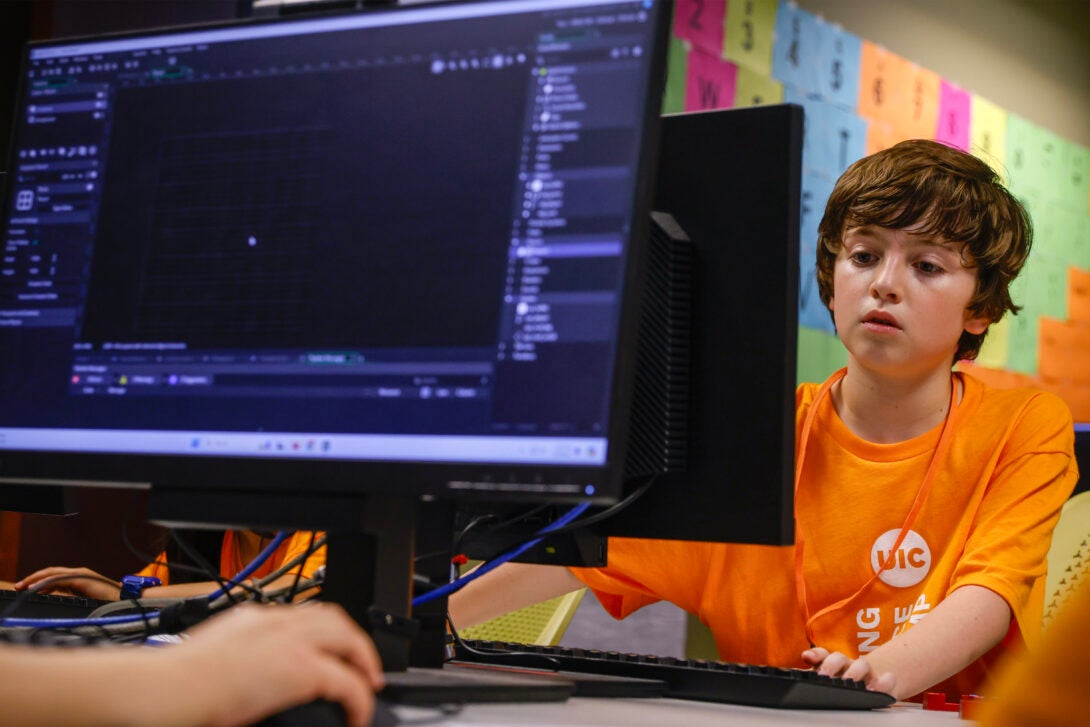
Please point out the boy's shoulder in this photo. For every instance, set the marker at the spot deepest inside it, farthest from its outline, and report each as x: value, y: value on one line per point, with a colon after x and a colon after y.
x: 1017, y: 396
x: 1027, y: 407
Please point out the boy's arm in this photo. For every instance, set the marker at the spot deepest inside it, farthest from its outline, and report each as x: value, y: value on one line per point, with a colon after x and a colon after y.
x: 508, y: 588
x: 959, y: 630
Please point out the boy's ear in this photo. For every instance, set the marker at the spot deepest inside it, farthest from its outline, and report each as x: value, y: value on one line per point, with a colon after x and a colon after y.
x: 976, y: 326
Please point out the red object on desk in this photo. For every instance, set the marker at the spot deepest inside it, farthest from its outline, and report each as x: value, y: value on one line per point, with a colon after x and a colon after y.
x: 966, y: 709
x: 937, y: 701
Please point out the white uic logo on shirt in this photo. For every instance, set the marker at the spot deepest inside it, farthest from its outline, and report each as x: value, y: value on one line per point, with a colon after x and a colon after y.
x: 906, y: 566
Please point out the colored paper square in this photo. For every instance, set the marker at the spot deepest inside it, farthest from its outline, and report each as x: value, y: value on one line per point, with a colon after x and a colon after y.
x: 1046, y: 290
x: 1080, y: 256
x: 1064, y: 351
x: 701, y: 22
x: 748, y: 39
x: 1050, y: 157
x: 993, y: 353
x: 833, y: 138
x: 954, y: 107
x: 881, y: 135
x: 1064, y: 233
x: 988, y: 134
x: 710, y: 82
x: 884, y: 82
x: 1076, y: 178
x: 797, y: 49
x: 839, y: 74
x: 677, y: 62
x: 816, y: 190
x: 922, y: 110
x: 820, y: 353
x: 753, y: 89
x: 815, y: 193
x: 1078, y: 295
x: 1022, y: 348
x: 1025, y: 143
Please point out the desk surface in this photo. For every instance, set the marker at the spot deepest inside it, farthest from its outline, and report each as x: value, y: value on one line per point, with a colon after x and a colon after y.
x: 586, y: 712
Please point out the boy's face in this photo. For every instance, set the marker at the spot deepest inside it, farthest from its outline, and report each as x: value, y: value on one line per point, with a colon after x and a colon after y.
x: 900, y: 299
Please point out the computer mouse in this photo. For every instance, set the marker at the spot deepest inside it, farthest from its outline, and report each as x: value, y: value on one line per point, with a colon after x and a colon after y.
x: 322, y: 713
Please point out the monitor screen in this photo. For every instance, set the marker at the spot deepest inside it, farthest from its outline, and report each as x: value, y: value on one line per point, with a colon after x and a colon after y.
x: 384, y: 250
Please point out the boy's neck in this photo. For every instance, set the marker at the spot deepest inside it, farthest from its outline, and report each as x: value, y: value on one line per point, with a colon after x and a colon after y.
x: 885, y: 409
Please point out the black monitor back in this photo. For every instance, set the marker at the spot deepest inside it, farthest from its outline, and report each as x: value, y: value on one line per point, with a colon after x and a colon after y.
x: 732, y: 181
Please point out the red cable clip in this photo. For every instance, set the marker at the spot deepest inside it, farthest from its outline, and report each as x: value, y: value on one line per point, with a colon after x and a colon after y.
x: 936, y: 701
x: 967, y: 708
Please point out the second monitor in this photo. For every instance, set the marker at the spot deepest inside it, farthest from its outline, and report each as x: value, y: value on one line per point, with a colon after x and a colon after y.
x: 731, y: 180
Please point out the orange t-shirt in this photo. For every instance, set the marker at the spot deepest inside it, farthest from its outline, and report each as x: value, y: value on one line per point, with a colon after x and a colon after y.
x: 987, y: 521
x: 231, y: 558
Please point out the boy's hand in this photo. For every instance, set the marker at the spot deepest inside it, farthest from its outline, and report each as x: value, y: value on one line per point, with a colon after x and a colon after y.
x: 836, y: 664
x: 71, y: 581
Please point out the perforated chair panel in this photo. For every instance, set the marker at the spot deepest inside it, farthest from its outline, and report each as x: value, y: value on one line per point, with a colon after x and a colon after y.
x: 1069, y: 554
x: 542, y: 623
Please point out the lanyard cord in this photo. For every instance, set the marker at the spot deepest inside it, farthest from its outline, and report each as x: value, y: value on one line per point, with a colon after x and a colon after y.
x: 925, y: 488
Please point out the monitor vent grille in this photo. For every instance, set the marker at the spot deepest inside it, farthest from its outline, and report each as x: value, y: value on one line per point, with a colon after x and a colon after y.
x: 659, y: 421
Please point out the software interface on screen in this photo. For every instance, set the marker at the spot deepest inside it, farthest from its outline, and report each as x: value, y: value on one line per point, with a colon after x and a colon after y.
x: 396, y: 235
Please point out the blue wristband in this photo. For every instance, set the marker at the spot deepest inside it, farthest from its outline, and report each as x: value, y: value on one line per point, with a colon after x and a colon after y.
x: 133, y: 586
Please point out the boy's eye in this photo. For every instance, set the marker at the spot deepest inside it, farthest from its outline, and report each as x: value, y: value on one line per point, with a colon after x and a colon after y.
x: 862, y: 258
x: 927, y: 267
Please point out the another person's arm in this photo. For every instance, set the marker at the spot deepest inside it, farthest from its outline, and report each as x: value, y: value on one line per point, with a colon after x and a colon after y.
x: 961, y: 629
x: 75, y: 581
x: 508, y: 588
x: 236, y: 669
x: 88, y: 583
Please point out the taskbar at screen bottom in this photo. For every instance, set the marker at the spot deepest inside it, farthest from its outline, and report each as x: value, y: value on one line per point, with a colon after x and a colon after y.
x: 589, y: 451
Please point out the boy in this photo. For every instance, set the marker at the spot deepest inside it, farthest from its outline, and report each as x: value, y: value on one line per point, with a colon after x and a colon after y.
x: 924, y: 502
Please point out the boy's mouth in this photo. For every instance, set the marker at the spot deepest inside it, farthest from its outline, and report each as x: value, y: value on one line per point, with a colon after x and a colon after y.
x: 881, y: 321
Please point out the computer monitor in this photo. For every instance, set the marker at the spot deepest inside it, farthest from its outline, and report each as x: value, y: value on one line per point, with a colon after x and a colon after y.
x: 307, y: 272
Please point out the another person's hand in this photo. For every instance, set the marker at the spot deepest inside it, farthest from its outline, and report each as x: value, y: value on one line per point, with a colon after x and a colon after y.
x: 254, y: 661
x: 71, y: 581
x: 836, y: 664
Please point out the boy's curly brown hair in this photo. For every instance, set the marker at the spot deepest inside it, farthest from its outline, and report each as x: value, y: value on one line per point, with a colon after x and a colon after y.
x: 950, y: 194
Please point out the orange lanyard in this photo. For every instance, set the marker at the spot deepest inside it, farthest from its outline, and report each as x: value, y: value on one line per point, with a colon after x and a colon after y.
x: 928, y: 480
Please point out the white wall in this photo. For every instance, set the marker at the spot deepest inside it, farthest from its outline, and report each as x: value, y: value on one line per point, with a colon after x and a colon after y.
x: 1031, y: 57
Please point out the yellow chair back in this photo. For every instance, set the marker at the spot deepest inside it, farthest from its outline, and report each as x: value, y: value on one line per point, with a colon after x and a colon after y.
x: 542, y: 623
x: 1069, y: 554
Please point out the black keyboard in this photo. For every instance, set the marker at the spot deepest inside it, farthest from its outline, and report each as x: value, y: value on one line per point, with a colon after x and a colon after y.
x: 44, y: 605
x: 709, y: 681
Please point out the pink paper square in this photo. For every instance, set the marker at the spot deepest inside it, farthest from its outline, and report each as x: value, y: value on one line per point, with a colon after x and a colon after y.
x: 710, y: 82
x: 953, y: 123
x: 701, y: 23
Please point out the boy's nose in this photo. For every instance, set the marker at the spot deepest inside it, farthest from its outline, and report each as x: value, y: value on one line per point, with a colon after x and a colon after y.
x: 886, y: 284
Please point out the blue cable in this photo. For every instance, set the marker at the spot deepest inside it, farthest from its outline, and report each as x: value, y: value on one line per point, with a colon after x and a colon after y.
x: 254, y: 565
x: 67, y: 623
x: 499, y: 560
